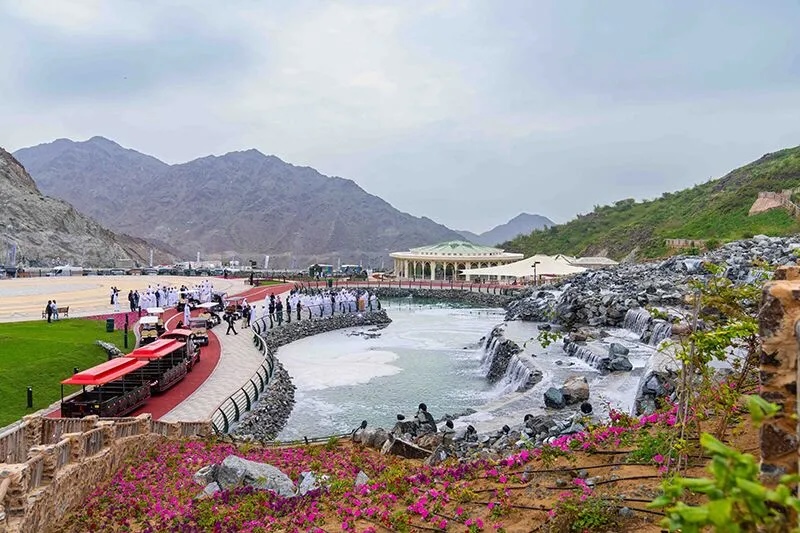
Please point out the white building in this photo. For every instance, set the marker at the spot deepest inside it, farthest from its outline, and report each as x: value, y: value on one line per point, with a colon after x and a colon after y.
x: 447, y: 260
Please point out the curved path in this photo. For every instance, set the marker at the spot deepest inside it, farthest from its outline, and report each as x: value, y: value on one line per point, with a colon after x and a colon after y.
x: 225, y: 364
x: 238, y: 361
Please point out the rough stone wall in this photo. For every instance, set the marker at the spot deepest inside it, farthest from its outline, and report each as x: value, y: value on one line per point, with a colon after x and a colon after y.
x: 56, y: 478
x: 779, y: 315
x: 480, y: 299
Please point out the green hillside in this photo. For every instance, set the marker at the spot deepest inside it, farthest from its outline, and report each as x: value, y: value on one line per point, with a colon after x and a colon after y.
x: 716, y: 210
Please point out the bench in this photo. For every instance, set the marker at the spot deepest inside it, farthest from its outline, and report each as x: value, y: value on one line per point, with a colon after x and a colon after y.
x: 62, y: 311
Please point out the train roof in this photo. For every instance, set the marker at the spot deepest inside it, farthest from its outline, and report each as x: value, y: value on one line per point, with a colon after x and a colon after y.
x: 179, y: 332
x: 105, y: 372
x: 157, y: 349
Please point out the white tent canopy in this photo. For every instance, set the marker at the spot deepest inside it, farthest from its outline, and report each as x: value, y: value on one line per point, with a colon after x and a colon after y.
x: 545, y: 266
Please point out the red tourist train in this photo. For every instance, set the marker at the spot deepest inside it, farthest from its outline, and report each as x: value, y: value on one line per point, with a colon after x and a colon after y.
x: 123, y: 384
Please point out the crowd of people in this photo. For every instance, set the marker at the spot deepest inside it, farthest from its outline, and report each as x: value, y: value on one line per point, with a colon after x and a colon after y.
x: 308, y: 302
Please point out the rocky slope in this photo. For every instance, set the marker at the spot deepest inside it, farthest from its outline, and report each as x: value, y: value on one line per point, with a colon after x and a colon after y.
x: 617, y: 296
x: 245, y: 202
x: 522, y: 224
x: 49, y: 231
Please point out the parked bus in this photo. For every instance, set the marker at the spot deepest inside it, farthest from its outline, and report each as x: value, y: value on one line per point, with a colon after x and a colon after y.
x: 117, y: 386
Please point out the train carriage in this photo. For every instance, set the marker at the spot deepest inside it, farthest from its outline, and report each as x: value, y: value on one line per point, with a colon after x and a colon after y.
x: 117, y: 386
x: 191, y: 346
x: 166, y: 362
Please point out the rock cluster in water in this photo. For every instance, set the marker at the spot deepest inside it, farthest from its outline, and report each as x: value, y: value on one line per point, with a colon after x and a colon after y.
x: 270, y: 413
x: 501, y: 362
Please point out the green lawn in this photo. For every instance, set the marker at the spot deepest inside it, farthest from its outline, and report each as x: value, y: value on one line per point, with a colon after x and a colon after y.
x: 268, y: 282
x: 40, y: 355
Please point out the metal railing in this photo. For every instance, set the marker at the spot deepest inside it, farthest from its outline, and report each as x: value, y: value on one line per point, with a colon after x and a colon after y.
x: 233, y: 408
x: 237, y: 404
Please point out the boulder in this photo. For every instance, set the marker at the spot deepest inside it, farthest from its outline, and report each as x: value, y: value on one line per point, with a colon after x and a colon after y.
x: 620, y: 364
x: 308, y: 482
x: 575, y: 390
x: 205, y: 475
x: 617, y: 349
x: 361, y: 479
x: 429, y: 441
x: 209, y: 490
x: 403, y: 448
x: 554, y: 398
x: 235, y: 472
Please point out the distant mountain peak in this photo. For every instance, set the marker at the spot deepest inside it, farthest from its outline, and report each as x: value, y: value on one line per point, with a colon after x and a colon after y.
x: 521, y: 224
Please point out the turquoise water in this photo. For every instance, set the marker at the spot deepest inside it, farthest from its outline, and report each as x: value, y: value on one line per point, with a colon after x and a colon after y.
x: 428, y: 354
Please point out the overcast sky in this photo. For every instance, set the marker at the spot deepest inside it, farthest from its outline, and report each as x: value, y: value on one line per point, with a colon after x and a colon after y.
x: 465, y: 112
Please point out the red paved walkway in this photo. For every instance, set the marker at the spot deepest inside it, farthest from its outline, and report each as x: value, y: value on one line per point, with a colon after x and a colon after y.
x: 159, y: 405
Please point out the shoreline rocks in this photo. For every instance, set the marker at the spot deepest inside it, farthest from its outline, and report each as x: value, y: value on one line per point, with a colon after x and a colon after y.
x: 471, y: 298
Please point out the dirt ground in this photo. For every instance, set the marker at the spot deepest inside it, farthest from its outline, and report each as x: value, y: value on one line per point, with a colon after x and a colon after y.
x: 25, y: 298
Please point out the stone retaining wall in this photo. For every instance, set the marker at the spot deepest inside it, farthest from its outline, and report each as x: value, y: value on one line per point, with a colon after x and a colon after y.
x: 271, y: 412
x: 779, y: 316
x: 65, y: 459
x: 478, y: 299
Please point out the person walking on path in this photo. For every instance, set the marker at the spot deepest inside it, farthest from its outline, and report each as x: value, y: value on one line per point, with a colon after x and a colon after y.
x: 49, y: 311
x: 279, y: 310
x: 115, y: 300
x: 231, y: 320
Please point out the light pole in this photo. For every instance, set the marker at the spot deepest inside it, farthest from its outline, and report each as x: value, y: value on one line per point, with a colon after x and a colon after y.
x: 535, y: 277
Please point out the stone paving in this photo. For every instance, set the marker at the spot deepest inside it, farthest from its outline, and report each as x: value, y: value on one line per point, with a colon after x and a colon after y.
x: 239, y: 360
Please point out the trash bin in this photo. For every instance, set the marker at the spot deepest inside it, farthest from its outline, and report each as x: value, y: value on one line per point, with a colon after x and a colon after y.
x: 109, y: 325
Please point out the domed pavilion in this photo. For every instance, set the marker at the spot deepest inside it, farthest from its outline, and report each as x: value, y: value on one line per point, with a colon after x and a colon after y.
x: 446, y: 260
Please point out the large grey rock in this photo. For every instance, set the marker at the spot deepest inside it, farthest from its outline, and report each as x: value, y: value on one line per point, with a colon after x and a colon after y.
x: 235, y: 472
x: 620, y: 364
x: 617, y: 349
x: 554, y: 398
x: 403, y: 448
x: 575, y: 390
x: 308, y: 482
x: 205, y: 475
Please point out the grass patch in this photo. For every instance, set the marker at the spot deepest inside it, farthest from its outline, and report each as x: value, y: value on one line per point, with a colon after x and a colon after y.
x: 40, y: 355
x: 268, y: 282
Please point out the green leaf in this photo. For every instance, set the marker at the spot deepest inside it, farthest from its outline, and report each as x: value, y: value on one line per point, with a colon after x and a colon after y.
x: 719, y: 512
x: 661, y: 501
x: 756, y: 490
x: 711, y: 444
x: 694, y: 515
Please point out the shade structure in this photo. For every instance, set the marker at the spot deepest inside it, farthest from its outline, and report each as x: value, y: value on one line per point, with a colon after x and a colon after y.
x: 157, y: 349
x: 545, y: 266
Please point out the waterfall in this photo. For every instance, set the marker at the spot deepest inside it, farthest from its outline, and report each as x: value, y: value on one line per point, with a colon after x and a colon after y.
x: 661, y: 331
x: 489, y: 352
x: 637, y: 320
x: 597, y: 360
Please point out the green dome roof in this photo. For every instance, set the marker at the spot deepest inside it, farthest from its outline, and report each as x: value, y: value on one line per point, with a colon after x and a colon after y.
x: 457, y: 248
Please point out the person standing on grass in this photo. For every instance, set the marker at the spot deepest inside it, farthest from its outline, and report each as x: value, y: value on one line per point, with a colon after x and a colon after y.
x: 55, y: 310
x: 49, y: 311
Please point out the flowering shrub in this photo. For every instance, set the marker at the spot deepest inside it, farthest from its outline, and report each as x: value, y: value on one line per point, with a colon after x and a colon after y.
x: 156, y: 491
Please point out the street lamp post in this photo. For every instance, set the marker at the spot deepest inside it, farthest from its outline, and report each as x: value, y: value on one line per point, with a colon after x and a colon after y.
x: 535, y: 277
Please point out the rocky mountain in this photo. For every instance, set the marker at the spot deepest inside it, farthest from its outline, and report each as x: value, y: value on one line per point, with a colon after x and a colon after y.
x: 522, y: 224
x: 243, y: 202
x: 49, y: 231
x: 715, y: 211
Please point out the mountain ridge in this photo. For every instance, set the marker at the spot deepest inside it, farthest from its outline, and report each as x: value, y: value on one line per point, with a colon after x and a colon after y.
x: 245, y: 200
x: 521, y: 224
x: 716, y: 210
x: 48, y: 230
